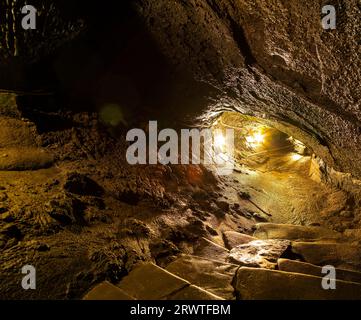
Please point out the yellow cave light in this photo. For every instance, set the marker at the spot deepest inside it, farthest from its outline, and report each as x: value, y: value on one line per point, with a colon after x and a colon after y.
x: 296, y: 156
x: 258, y: 137
x: 219, y: 140
x: 255, y: 139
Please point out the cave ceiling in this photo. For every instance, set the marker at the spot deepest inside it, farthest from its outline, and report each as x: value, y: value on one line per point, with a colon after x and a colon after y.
x: 269, y: 59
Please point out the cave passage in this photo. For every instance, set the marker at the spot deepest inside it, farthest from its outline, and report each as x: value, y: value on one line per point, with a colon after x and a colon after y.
x: 274, y: 174
x: 95, y: 225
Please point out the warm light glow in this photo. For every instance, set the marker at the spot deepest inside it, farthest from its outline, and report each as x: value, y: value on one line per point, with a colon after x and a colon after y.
x: 258, y: 137
x: 255, y: 139
x: 219, y: 140
x: 296, y: 157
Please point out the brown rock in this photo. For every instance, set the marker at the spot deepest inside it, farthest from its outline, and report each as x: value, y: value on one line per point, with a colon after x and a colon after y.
x: 9, y: 106
x: 213, y: 276
x: 263, y: 284
x: 24, y: 158
x: 259, y: 253
x: 150, y: 282
x: 293, y: 232
x: 311, y: 269
x: 107, y: 291
x: 223, y: 205
x: 206, y: 248
x: 16, y: 133
x: 82, y: 185
x: 193, y: 293
x: 354, y: 234
x: 233, y: 239
x: 328, y: 253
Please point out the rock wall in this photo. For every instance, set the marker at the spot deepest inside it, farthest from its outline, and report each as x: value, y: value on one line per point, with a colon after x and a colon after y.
x: 269, y: 59
x: 272, y: 59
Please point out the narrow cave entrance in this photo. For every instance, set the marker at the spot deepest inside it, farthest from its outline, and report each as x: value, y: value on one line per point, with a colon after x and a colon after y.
x: 273, y: 173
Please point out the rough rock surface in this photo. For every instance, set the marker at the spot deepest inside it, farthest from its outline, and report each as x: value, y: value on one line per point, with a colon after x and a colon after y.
x: 19, y: 140
x: 310, y: 269
x: 193, y: 293
x: 293, y: 232
x: 243, y: 56
x: 20, y: 159
x: 233, y: 239
x: 149, y: 282
x: 342, y: 255
x: 106, y: 291
x: 259, y: 253
x: 254, y: 62
x: 206, y: 249
x: 214, y: 276
x: 268, y: 59
x: 262, y: 284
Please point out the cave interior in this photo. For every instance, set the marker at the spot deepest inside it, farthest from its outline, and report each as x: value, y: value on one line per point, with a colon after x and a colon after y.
x: 96, y: 227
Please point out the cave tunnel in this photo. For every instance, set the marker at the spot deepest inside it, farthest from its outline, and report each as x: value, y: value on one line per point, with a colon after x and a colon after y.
x: 105, y: 191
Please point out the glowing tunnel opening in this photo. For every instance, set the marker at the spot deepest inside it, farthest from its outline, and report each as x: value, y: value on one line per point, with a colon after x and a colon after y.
x: 258, y: 144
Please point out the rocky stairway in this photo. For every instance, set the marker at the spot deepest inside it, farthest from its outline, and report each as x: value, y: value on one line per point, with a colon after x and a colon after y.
x: 279, y: 262
x: 150, y: 282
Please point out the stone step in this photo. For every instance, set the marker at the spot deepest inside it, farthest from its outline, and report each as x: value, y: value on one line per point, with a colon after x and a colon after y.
x: 341, y: 255
x: 107, y: 291
x: 214, y: 276
x: 264, y: 284
x: 233, y: 239
x: 294, y: 232
x: 311, y: 269
x: 208, y: 249
x: 193, y: 293
x: 259, y: 253
x: 147, y: 281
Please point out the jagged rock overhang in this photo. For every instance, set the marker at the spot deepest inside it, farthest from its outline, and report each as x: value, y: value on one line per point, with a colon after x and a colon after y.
x: 269, y: 60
